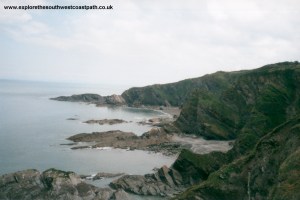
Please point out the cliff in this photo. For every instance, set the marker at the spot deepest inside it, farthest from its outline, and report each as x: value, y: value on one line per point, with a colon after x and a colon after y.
x: 173, y: 94
x: 270, y: 171
x: 259, y: 108
x: 253, y: 101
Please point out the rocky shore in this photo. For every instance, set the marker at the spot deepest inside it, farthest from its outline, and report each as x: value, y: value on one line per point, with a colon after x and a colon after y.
x: 56, y: 184
x: 105, y: 121
x: 93, y: 98
x: 155, y: 140
x: 165, y: 182
x: 258, y: 108
x: 53, y: 184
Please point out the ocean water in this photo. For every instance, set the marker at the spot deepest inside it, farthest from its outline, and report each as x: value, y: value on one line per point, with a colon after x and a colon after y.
x: 32, y: 129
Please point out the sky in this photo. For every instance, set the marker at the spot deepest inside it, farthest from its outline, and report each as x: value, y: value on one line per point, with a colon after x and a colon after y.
x: 143, y: 42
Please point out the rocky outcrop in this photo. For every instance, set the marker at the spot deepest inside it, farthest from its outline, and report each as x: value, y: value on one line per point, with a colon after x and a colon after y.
x: 52, y: 184
x: 88, y: 98
x: 156, y: 140
x: 165, y: 182
x: 93, y: 98
x: 106, y: 138
x: 115, y: 100
x: 105, y: 121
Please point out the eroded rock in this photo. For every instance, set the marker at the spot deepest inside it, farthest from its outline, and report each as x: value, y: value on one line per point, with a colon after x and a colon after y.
x: 164, y: 182
x: 52, y: 184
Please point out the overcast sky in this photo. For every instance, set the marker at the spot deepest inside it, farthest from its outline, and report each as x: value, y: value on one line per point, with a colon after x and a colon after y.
x: 143, y: 42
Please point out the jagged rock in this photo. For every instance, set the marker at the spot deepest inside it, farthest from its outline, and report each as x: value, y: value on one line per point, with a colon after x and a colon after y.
x: 52, y: 184
x: 120, y: 195
x: 115, y: 100
x: 164, y: 176
x: 21, y: 185
x: 157, y: 184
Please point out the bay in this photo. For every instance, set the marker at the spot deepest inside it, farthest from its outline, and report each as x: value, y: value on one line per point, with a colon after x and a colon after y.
x: 32, y: 129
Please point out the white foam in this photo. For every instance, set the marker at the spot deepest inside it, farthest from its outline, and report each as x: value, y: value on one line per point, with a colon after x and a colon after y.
x: 104, y: 148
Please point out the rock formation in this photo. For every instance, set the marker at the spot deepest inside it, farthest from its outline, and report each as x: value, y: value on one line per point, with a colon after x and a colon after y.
x: 52, y: 184
x: 106, y: 121
x: 93, y: 98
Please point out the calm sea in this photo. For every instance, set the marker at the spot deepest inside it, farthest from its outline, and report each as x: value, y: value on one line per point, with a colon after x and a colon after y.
x: 32, y: 127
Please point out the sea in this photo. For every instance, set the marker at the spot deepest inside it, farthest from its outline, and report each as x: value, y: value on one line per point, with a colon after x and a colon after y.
x: 33, y: 129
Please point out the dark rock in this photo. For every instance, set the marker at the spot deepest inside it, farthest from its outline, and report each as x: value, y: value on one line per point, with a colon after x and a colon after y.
x: 72, y: 119
x: 88, y: 98
x: 106, y: 121
x: 70, y: 144
x: 154, y: 140
x: 52, y: 184
x: 120, y: 195
x: 93, y: 98
x: 159, y: 183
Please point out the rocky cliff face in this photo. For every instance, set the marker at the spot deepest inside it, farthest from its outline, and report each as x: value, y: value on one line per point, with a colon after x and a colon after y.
x: 246, y: 106
x: 52, y: 184
x: 270, y: 171
x: 254, y: 104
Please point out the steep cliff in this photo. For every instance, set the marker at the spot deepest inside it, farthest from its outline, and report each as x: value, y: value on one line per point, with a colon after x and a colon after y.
x: 253, y: 102
x: 270, y: 171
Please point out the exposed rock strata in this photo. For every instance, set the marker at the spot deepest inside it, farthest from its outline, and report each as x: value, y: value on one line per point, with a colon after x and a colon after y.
x: 165, y: 182
x: 52, y: 184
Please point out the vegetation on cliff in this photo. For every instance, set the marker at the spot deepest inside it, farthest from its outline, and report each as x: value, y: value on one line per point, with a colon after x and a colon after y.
x: 173, y: 94
x: 259, y: 108
x: 270, y: 171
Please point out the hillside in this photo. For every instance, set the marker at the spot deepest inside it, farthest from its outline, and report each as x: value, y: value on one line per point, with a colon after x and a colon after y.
x: 270, y: 171
x: 224, y: 104
x: 174, y: 94
x: 259, y: 108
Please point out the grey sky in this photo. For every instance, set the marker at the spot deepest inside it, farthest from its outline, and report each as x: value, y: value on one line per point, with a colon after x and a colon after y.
x: 143, y: 42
